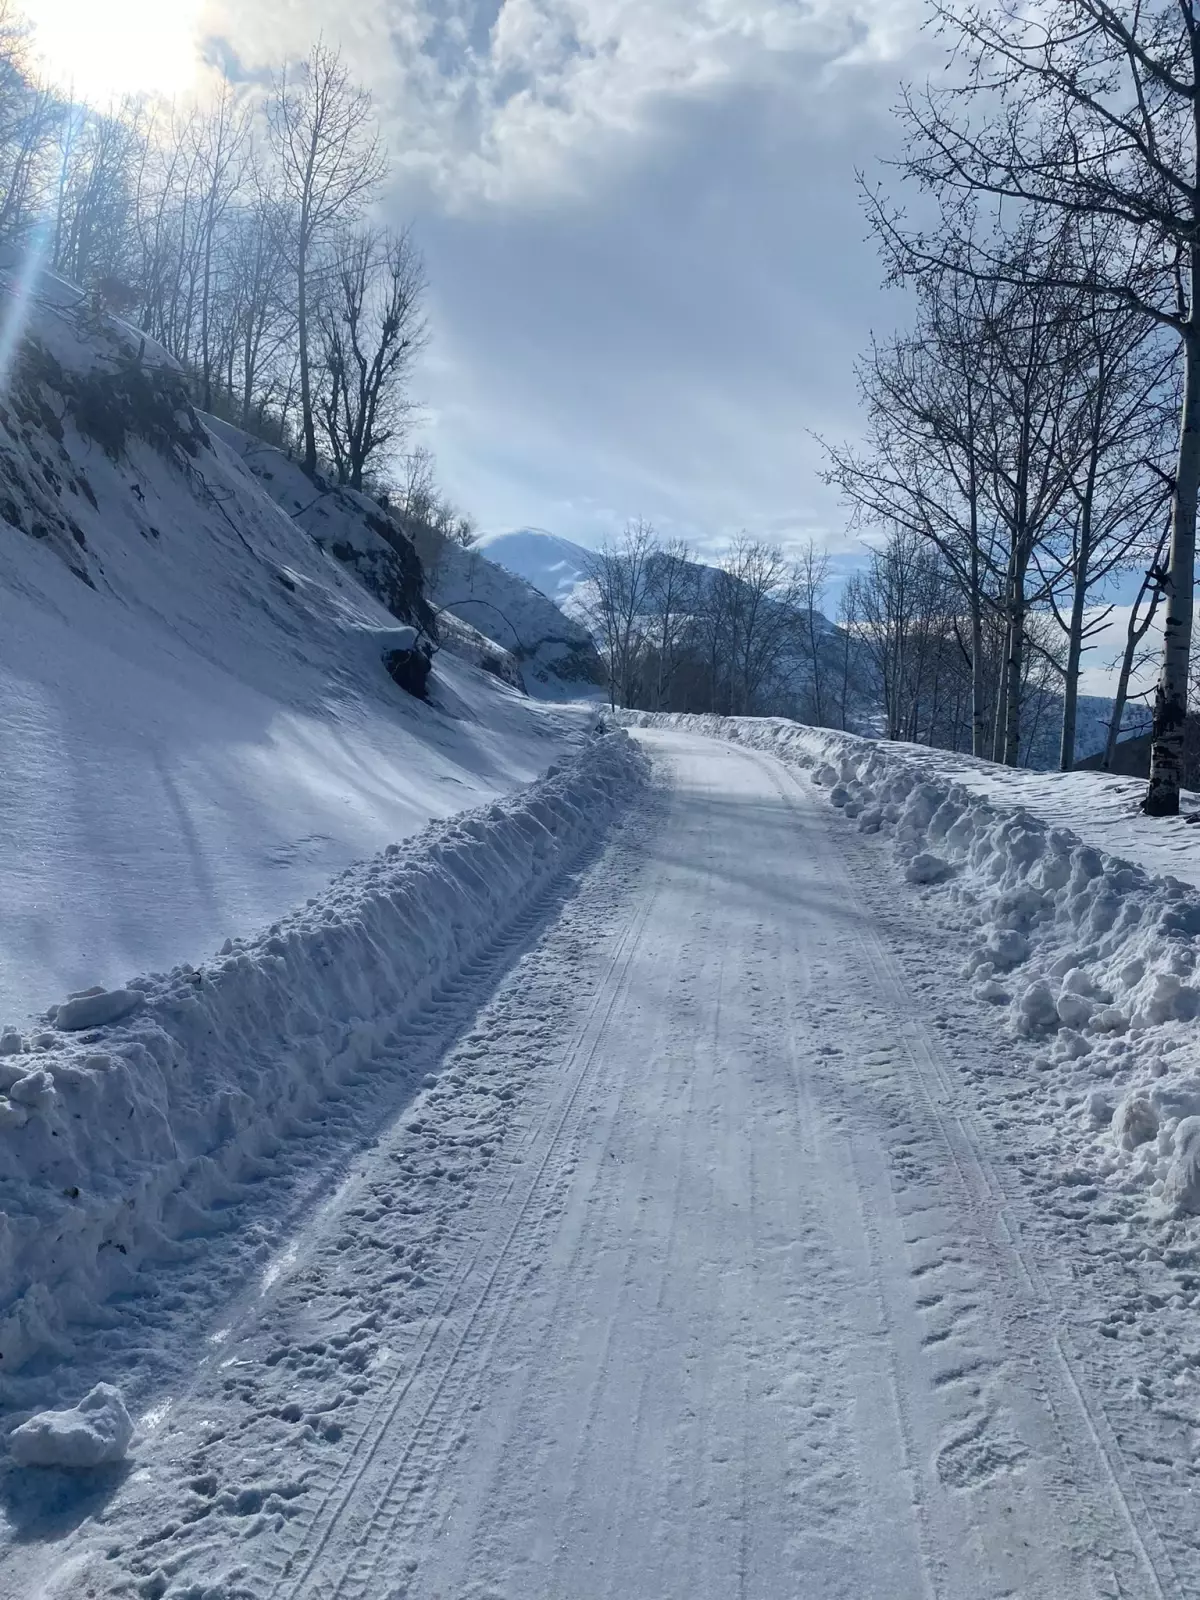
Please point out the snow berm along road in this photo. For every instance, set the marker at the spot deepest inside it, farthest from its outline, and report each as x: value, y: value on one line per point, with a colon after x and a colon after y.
x: 734, y: 1247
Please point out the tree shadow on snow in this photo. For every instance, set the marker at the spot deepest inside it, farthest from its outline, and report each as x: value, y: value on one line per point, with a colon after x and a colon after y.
x: 44, y: 1503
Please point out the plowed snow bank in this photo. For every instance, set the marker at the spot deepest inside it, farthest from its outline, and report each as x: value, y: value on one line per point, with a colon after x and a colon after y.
x: 116, y: 1140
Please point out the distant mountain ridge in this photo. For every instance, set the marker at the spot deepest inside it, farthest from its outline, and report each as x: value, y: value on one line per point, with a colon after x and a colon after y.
x: 558, y: 568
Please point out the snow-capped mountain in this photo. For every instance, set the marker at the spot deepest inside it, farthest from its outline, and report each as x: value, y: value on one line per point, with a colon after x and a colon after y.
x: 556, y: 566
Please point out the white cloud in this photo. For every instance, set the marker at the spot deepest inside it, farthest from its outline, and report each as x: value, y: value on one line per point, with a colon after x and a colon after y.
x: 525, y: 102
x: 647, y: 261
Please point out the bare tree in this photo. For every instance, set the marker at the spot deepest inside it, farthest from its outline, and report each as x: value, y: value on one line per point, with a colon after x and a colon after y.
x: 223, y: 157
x: 93, y: 220
x: 30, y: 117
x: 416, y: 489
x: 673, y: 588
x: 371, y: 330
x: 762, y: 609
x: 260, y: 310
x: 1141, y: 616
x: 923, y: 470
x: 1088, y: 108
x: 1114, y: 450
x: 848, y: 618
x: 811, y: 578
x: 617, y: 605
x: 330, y: 163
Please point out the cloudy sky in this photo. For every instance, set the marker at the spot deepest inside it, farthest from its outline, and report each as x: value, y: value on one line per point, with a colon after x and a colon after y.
x: 648, y: 269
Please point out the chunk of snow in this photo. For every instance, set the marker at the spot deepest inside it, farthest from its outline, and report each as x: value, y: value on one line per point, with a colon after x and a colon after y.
x: 1181, y: 1187
x: 927, y: 868
x: 1072, y: 1045
x: 1075, y: 1010
x: 1167, y: 1000
x: 1097, y: 1109
x: 1134, y: 1122
x: 1007, y: 948
x: 96, y: 1431
x: 35, y: 1090
x: 1035, y: 1009
x: 993, y: 992
x: 96, y: 1008
x: 1110, y: 1019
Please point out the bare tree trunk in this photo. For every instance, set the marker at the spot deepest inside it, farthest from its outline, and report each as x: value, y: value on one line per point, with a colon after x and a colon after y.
x: 845, y: 674
x: 1170, y: 697
x: 978, y: 688
x: 306, y: 405
x: 1134, y: 634
x: 999, y: 721
x: 1066, y: 749
x: 1015, y: 667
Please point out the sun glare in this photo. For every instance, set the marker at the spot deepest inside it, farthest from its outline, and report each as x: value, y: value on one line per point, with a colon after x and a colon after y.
x: 103, y: 49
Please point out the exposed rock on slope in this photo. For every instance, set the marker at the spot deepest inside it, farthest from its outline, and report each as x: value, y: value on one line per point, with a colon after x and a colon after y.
x: 58, y: 409
x: 350, y: 526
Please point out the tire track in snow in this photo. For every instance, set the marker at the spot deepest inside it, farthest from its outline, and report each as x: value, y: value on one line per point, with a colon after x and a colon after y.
x: 442, y: 1351
x: 604, y: 1263
x: 983, y: 1191
x: 603, y: 914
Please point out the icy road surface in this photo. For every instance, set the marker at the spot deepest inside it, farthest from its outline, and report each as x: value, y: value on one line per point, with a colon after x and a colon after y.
x: 693, y: 1278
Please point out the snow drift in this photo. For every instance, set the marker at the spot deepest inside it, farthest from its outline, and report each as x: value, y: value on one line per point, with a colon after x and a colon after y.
x: 116, y: 1139
x: 1088, y: 955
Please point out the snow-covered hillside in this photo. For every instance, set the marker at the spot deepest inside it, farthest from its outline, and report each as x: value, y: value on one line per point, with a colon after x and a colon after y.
x: 197, y: 726
x: 554, y: 565
x: 556, y: 653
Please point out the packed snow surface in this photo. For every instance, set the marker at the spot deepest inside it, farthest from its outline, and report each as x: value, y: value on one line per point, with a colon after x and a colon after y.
x: 739, y: 1243
x: 1085, y: 952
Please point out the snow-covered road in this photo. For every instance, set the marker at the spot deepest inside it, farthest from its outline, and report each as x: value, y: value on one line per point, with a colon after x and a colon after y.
x: 691, y: 1278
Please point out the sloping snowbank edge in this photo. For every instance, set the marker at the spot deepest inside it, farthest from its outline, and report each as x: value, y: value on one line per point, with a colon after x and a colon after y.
x: 114, y: 1140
